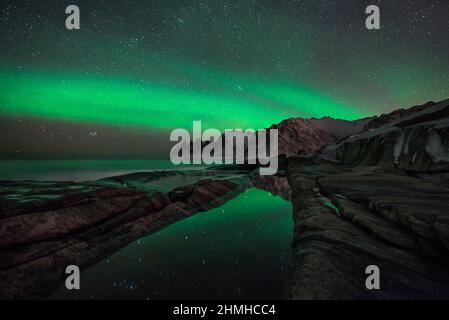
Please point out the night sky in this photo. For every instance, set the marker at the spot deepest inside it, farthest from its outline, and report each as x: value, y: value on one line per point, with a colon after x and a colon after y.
x: 138, y: 69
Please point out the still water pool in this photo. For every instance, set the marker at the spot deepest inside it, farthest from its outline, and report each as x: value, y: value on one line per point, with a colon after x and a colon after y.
x: 237, y: 251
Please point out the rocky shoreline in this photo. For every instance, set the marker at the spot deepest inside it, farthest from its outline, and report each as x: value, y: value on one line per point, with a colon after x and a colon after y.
x: 370, y: 192
x: 40, y: 236
x: 346, y: 219
x: 377, y: 197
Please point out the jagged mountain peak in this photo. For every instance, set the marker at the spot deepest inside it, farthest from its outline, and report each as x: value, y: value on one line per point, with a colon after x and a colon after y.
x: 302, y: 135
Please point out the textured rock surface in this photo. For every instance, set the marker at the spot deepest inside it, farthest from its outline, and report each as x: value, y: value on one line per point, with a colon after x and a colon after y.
x: 348, y: 218
x: 303, y: 136
x: 83, y: 223
x: 385, y: 201
x: 383, y: 119
x: 416, y: 142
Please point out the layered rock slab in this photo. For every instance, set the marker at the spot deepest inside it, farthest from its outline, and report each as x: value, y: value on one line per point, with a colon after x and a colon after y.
x: 39, y: 237
x: 348, y: 218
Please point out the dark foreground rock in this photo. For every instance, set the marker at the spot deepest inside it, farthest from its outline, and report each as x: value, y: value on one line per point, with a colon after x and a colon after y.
x: 46, y: 226
x: 348, y: 218
x: 379, y: 196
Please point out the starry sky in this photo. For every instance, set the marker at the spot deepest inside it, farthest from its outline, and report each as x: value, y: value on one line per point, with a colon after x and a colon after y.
x: 138, y: 69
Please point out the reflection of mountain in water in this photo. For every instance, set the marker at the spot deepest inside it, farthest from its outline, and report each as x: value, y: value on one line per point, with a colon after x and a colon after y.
x: 47, y: 226
x: 370, y: 191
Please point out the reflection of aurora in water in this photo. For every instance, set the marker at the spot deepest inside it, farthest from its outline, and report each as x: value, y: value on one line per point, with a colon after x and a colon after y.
x: 239, y: 250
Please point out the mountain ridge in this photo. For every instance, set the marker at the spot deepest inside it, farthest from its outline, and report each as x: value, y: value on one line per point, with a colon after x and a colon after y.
x: 309, y: 135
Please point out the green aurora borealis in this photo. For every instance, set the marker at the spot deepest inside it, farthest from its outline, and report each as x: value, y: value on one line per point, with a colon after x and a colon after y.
x: 155, y: 66
x: 125, y: 102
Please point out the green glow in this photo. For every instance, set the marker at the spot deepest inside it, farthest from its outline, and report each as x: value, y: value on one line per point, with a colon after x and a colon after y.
x: 251, y: 233
x: 220, y: 100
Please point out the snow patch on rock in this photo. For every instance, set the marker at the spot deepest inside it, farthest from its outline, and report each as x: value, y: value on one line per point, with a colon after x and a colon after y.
x: 437, y: 148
